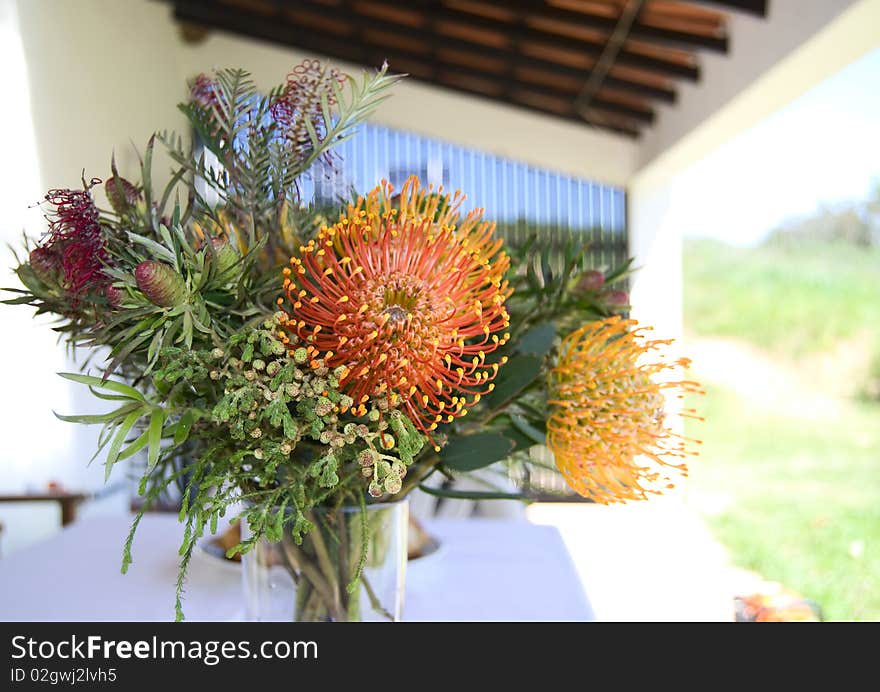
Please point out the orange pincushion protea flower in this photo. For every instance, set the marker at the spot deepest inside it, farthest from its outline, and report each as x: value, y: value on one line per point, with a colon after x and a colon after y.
x: 607, y: 423
x: 405, y: 299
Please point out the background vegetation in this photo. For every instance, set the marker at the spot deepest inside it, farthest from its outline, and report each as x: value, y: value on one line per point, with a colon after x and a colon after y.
x: 795, y: 498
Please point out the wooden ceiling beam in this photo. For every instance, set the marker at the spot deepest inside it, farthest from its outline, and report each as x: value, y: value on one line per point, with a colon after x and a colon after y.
x: 206, y: 13
x: 640, y: 29
x: 754, y: 7
x: 515, y: 59
x: 587, y: 48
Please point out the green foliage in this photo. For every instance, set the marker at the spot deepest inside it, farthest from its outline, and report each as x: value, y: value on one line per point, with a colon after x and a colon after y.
x: 475, y: 451
x: 278, y: 437
x: 796, y: 300
x: 794, y: 500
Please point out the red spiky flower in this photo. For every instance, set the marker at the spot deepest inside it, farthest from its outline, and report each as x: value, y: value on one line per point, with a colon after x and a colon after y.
x: 74, y: 243
x: 406, y: 300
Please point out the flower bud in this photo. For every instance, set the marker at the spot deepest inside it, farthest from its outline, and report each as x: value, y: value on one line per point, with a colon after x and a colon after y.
x: 113, y: 295
x: 225, y: 253
x: 121, y: 194
x: 591, y: 282
x: 160, y: 284
x: 616, y: 299
x: 46, y: 265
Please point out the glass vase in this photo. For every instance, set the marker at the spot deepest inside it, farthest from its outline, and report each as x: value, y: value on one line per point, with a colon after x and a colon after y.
x: 316, y: 581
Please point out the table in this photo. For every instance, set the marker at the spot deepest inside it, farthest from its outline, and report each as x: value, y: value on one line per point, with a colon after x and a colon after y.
x: 68, y: 502
x: 485, y: 569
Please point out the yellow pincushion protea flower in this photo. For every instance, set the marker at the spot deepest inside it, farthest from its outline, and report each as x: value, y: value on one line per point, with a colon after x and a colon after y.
x: 607, y: 426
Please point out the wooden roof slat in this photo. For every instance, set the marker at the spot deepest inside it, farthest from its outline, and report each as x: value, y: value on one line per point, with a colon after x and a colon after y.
x: 470, y: 80
x: 577, y: 13
x: 467, y: 39
x: 537, y: 54
x: 686, y: 11
x: 467, y: 24
x: 755, y: 7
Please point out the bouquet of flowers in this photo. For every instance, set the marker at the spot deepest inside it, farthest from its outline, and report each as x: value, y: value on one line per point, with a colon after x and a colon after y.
x: 294, y: 366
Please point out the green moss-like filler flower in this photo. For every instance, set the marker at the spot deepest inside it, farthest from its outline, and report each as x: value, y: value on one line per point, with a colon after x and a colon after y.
x: 281, y: 438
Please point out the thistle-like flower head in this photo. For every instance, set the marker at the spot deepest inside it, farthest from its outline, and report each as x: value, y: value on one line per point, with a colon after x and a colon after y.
x: 409, y: 302
x: 607, y: 426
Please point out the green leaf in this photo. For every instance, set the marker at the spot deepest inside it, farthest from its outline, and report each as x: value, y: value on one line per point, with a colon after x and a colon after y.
x: 471, y: 452
x: 108, y: 397
x: 134, y: 447
x: 519, y: 439
x: 473, y: 494
x: 118, y: 439
x: 159, y: 251
x: 538, y: 340
x: 181, y: 432
x: 112, y: 385
x: 100, y: 418
x: 513, y: 377
x: 154, y: 438
x: 23, y: 300
x: 147, y: 177
x: 619, y: 272
x: 526, y: 428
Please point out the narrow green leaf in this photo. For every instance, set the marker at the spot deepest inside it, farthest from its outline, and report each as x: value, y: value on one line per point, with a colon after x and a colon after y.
x: 159, y: 251
x: 526, y: 428
x: 157, y: 420
x: 23, y: 300
x: 513, y: 377
x: 108, y: 397
x: 538, y: 340
x: 473, y: 494
x: 147, y: 177
x: 119, y: 438
x: 170, y: 187
x: 99, y: 418
x: 520, y: 441
x: 112, y: 385
x: 134, y: 447
x: 181, y: 431
x: 471, y: 452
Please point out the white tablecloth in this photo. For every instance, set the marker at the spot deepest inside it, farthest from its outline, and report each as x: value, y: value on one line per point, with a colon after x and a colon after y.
x: 485, y: 569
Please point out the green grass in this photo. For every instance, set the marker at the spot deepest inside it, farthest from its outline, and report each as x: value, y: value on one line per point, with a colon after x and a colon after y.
x: 800, y: 494
x: 796, y: 497
x: 794, y: 300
